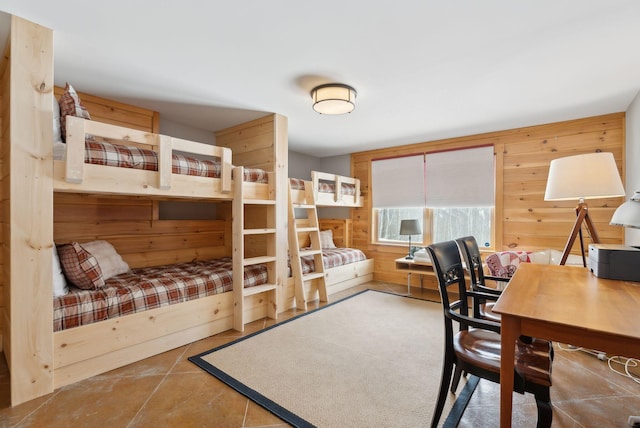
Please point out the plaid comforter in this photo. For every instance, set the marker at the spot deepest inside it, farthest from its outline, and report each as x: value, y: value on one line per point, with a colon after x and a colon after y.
x: 104, y: 153
x: 148, y: 288
x: 331, y: 258
x: 324, y: 186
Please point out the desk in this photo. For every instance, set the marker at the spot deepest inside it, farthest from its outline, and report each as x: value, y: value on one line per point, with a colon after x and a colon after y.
x: 411, y: 266
x: 569, y: 305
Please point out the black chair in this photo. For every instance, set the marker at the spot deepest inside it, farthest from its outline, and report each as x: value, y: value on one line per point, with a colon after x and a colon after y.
x: 472, y: 258
x: 475, y: 348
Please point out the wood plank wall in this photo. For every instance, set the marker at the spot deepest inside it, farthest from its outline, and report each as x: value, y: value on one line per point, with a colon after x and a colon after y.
x: 523, y: 220
x: 4, y: 172
x: 115, y: 113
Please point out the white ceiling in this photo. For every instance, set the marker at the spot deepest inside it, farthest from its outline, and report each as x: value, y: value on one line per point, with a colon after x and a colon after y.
x: 423, y: 69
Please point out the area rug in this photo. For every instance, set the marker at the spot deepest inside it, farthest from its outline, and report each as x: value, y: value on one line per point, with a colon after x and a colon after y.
x: 373, y: 359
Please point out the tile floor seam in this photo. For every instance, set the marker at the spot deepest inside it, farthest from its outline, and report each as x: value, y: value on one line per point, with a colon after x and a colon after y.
x: 606, y: 378
x: 246, y: 410
x: 37, y: 408
x: 166, y: 374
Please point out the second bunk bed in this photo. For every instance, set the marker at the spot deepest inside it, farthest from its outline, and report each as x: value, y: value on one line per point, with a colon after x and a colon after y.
x: 314, y: 241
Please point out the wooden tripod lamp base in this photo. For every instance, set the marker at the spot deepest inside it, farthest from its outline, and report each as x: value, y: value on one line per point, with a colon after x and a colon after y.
x: 582, y: 215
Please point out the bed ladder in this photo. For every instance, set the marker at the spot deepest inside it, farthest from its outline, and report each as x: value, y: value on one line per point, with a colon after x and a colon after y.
x: 254, y: 242
x: 310, y: 226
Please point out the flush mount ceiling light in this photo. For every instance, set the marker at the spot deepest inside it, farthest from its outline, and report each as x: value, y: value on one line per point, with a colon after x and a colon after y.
x: 333, y: 98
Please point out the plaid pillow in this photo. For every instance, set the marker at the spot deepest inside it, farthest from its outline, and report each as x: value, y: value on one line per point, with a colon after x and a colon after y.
x: 80, y: 267
x: 70, y: 104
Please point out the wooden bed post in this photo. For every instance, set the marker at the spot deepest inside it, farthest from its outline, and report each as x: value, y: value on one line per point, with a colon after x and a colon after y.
x: 28, y: 311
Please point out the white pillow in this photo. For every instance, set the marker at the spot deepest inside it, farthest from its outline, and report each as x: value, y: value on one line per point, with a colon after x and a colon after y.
x: 572, y: 260
x: 326, y: 239
x: 57, y: 132
x: 110, y: 262
x: 59, y: 282
x: 541, y: 257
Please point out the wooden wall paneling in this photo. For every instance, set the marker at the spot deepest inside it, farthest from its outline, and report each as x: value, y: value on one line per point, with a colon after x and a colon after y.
x: 523, y: 220
x: 341, y: 230
x: 116, y: 113
x: 4, y: 174
x: 28, y: 310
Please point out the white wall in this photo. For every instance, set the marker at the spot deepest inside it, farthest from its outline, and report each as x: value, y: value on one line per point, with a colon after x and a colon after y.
x: 632, y: 179
x: 301, y: 165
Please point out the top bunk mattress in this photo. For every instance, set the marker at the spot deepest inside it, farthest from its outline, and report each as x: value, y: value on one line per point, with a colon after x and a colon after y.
x: 324, y: 186
x: 108, y: 154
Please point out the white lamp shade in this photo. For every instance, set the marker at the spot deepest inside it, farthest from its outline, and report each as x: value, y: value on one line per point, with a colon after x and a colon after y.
x: 333, y: 98
x: 588, y: 176
x: 628, y: 214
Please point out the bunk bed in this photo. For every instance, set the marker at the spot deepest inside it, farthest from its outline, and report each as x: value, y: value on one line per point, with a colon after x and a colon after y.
x: 344, y: 266
x: 67, y: 200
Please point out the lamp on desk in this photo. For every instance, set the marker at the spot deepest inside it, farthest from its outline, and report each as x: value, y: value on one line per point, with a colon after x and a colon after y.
x: 410, y: 227
x: 587, y: 176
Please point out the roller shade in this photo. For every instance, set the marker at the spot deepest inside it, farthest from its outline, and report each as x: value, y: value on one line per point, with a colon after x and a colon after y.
x: 456, y: 178
x: 460, y: 178
x: 398, y: 182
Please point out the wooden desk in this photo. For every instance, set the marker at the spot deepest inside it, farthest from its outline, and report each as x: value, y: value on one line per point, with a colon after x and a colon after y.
x: 411, y: 266
x: 569, y: 305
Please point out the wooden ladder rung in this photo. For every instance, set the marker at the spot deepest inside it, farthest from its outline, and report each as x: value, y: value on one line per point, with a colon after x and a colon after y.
x: 258, y: 260
x: 258, y: 231
x: 250, y: 291
x: 313, y: 275
x: 307, y: 229
x: 309, y: 252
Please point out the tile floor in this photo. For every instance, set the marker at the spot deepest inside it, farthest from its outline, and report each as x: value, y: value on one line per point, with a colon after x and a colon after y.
x: 169, y: 391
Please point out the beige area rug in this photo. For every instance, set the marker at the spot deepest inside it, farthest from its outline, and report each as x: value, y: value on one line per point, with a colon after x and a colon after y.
x: 370, y: 360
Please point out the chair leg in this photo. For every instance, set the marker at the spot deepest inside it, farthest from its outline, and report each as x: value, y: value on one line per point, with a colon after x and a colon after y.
x: 456, y: 379
x: 545, y: 410
x: 447, y: 368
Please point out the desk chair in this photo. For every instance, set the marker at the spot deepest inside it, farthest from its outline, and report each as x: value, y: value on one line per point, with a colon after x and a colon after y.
x: 475, y: 349
x: 471, y: 253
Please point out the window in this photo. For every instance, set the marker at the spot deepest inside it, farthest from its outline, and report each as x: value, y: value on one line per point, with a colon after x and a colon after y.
x: 451, y: 193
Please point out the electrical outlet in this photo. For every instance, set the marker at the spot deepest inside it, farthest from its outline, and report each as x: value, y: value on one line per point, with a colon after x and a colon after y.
x: 634, y: 421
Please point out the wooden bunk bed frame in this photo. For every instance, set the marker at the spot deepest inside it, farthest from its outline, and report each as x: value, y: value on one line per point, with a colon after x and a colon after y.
x: 39, y: 359
x: 342, y: 277
x: 334, y: 199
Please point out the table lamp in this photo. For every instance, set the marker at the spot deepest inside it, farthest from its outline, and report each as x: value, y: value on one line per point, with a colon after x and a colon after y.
x: 410, y: 227
x: 586, y: 176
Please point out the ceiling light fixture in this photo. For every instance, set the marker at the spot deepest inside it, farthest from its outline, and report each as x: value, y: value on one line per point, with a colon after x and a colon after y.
x: 333, y: 98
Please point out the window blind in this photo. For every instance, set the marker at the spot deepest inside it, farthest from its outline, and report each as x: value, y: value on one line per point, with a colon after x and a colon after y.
x: 456, y: 178
x: 398, y: 182
x: 460, y: 178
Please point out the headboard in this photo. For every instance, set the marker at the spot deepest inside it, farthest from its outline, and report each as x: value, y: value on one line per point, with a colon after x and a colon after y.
x: 341, y: 228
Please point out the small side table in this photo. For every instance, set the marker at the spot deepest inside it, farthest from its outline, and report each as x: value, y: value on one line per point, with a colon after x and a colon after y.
x: 411, y: 266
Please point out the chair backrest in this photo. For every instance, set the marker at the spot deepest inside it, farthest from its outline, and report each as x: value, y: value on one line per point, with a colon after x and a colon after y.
x: 445, y: 258
x: 471, y: 253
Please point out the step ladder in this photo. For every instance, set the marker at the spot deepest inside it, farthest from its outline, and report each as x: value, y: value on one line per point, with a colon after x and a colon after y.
x: 254, y: 242
x: 301, y: 228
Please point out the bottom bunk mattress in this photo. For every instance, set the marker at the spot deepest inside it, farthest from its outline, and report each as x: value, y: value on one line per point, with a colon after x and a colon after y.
x: 333, y: 257
x: 148, y: 288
